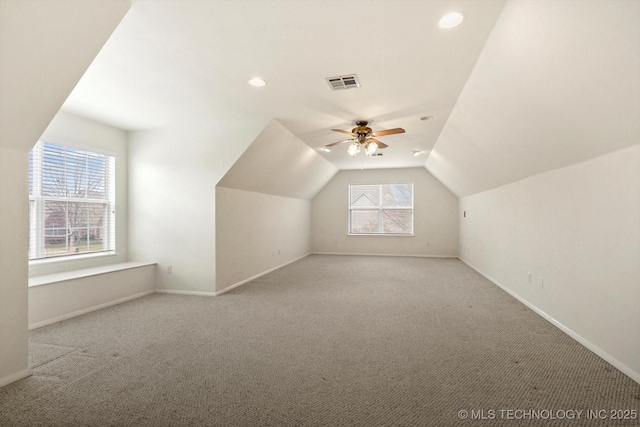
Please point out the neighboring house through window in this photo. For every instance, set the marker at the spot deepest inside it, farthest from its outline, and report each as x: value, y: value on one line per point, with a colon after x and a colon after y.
x: 71, y: 201
x: 381, y: 209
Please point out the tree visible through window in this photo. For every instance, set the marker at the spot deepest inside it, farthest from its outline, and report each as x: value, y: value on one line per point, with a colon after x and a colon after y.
x: 71, y: 201
x: 381, y: 209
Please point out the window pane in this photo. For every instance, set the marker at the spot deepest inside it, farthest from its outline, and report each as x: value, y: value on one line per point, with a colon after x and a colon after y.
x: 364, y: 221
x: 396, y: 195
x: 365, y: 195
x: 397, y: 220
x: 62, y: 220
x: 31, y: 174
x: 381, y: 209
x: 33, y: 233
x: 72, y: 227
x: 55, y: 228
x: 53, y: 173
x: 96, y: 165
x: 76, y: 174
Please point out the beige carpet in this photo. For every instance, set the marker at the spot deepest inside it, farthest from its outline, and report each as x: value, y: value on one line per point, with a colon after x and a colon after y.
x: 328, y: 340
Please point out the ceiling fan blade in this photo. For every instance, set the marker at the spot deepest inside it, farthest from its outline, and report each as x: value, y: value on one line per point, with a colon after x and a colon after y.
x: 387, y: 132
x: 343, y: 131
x: 336, y: 143
x: 378, y: 143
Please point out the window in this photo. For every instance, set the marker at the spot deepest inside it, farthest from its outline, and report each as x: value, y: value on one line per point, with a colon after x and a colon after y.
x: 381, y: 209
x: 71, y: 201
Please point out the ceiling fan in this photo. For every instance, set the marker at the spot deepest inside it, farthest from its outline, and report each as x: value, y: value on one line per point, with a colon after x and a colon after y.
x: 362, y: 136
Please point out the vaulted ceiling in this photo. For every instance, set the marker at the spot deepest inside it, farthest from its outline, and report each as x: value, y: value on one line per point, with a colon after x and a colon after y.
x: 519, y: 88
x: 557, y: 83
x: 295, y: 171
x: 172, y: 62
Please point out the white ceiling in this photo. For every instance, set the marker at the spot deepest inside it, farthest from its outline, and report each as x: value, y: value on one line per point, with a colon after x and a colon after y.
x: 177, y: 62
x: 278, y: 163
x: 557, y: 83
x: 38, y: 68
x: 519, y: 88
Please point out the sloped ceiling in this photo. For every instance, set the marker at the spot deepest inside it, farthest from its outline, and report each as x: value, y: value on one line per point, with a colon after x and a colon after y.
x: 45, y: 47
x: 279, y: 163
x: 172, y: 62
x: 558, y: 82
x: 555, y: 83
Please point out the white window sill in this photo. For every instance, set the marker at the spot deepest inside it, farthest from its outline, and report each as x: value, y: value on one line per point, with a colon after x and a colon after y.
x: 69, y: 259
x: 85, y: 272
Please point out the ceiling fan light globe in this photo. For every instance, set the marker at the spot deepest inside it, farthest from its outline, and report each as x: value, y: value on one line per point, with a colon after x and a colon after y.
x: 370, y: 148
x: 353, y: 149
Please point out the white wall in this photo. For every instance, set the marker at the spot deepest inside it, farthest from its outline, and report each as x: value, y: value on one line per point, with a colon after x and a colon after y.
x: 172, y: 208
x: 172, y: 194
x: 74, y: 131
x: 263, y: 210
x: 435, y: 216
x: 257, y: 232
x: 45, y: 46
x: 68, y: 297
x: 14, y: 249
x: 579, y: 229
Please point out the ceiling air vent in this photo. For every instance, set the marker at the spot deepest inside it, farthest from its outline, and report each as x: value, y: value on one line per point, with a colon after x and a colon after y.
x: 343, y: 82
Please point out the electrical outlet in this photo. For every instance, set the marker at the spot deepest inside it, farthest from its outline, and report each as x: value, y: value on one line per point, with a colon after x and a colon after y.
x: 541, y: 283
x: 170, y: 269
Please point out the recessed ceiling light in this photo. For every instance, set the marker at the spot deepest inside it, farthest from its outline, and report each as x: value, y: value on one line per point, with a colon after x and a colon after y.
x: 451, y: 20
x: 257, y: 82
x: 425, y: 118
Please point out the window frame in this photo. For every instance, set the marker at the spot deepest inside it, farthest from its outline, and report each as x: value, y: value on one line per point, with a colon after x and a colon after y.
x: 37, y: 199
x: 381, y: 208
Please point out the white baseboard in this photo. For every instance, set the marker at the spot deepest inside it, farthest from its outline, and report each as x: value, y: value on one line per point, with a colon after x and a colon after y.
x: 192, y: 293
x: 396, y: 255
x: 635, y: 376
x: 66, y: 316
x: 235, y: 285
x: 14, y: 377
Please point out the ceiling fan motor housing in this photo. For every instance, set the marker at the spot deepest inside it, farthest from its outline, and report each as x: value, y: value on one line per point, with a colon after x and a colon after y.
x: 362, y: 131
x: 364, y: 135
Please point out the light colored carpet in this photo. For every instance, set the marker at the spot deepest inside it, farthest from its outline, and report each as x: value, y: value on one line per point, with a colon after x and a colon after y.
x: 328, y: 340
